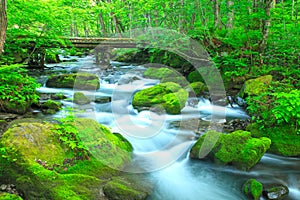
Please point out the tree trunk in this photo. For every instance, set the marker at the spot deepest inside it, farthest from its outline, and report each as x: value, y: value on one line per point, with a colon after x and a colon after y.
x: 217, y: 15
x: 296, y: 13
x: 3, y: 24
x: 266, y: 25
x: 230, y: 14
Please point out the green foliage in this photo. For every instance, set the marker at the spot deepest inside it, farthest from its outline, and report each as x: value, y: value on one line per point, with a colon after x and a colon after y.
x: 287, y: 108
x: 276, y: 108
x: 17, y: 90
x: 68, y: 135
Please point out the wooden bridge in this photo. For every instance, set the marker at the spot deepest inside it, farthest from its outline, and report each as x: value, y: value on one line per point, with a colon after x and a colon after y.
x: 103, y: 46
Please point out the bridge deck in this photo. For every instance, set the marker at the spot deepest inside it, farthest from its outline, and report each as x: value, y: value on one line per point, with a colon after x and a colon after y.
x: 79, y: 42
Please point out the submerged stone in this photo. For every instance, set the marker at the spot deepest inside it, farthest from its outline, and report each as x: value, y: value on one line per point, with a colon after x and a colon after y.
x: 237, y: 148
x: 276, y: 192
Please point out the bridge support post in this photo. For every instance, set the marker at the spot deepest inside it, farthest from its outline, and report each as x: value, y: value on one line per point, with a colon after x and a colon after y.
x: 97, y: 57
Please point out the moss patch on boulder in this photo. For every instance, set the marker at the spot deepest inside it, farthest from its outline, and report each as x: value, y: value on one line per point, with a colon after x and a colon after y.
x: 197, y: 89
x: 108, y: 148
x: 255, y: 87
x: 31, y: 141
x: 195, y: 76
x: 159, y: 73
x: 121, y: 189
x: 51, y: 107
x: 168, y: 95
x: 237, y: 148
x: 80, y: 98
x: 82, y: 81
x: 8, y: 196
x: 253, y: 189
x: 285, y: 140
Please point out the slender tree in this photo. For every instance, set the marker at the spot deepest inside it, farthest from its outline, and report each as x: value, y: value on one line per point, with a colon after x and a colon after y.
x: 3, y: 24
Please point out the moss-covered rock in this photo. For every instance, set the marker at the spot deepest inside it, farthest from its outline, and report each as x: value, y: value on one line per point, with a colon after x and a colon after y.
x: 194, y: 76
x: 285, y: 140
x: 51, y: 107
x: 255, y: 87
x: 8, y: 196
x: 80, y: 98
x: 83, y: 81
x: 197, y: 88
x: 120, y: 189
x: 166, y: 75
x: 112, y: 150
x: 237, y: 148
x: 52, y: 58
x: 160, y: 73
x: 29, y: 143
x: 168, y: 95
x: 175, y: 79
x: 253, y: 189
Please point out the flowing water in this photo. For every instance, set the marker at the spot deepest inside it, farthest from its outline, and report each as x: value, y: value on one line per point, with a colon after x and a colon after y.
x: 162, y: 142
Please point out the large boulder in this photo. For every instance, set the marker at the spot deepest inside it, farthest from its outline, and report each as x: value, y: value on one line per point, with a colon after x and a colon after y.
x: 82, y: 81
x: 169, y: 96
x: 285, y: 140
x: 255, y: 87
x: 41, y: 167
x: 237, y: 148
x: 253, y: 189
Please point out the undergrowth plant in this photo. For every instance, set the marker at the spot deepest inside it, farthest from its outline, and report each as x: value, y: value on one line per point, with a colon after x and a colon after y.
x: 17, y: 89
x: 276, y: 108
x: 68, y: 135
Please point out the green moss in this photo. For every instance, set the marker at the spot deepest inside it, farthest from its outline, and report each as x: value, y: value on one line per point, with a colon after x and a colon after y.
x: 31, y: 141
x: 53, y: 105
x: 255, y: 87
x: 237, y: 148
x: 8, y: 196
x: 119, y: 188
x: 253, y: 189
x: 170, y: 95
x: 198, y: 88
x: 194, y: 76
x: 39, y: 183
x: 92, y: 167
x: 175, y: 79
x: 159, y: 73
x: 285, y: 140
x: 80, y: 98
x: 82, y: 81
x: 103, y: 144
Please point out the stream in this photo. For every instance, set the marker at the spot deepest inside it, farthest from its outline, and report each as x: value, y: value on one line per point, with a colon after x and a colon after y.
x: 161, y: 142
